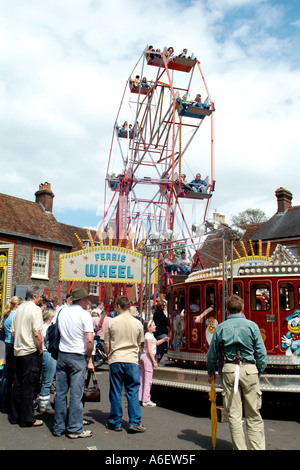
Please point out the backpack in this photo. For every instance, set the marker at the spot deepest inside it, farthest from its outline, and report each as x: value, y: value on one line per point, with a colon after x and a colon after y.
x: 53, y: 339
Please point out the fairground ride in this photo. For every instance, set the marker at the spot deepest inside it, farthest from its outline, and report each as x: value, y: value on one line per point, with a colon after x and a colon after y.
x: 155, y: 141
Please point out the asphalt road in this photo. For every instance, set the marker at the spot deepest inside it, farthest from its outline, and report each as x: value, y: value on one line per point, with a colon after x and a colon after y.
x: 179, y: 425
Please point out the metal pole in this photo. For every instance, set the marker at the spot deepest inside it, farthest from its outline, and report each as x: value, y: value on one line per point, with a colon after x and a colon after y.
x: 142, y: 278
x: 149, y: 286
x: 231, y: 267
x: 224, y: 283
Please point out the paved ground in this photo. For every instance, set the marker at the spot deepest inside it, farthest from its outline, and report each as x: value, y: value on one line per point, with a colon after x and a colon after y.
x: 180, y: 424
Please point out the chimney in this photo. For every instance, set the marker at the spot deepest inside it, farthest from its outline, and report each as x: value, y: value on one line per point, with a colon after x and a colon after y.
x: 219, y: 217
x: 284, y: 198
x: 44, y: 196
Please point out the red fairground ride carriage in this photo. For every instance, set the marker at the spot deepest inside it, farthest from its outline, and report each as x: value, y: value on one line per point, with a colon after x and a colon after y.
x: 270, y: 288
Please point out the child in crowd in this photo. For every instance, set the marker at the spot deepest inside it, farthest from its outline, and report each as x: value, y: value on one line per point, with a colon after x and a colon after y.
x: 148, y: 362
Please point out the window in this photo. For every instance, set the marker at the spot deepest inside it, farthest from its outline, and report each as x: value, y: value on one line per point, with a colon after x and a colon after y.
x: 88, y: 243
x: 287, y: 296
x: 94, y: 288
x: 178, y: 300
x: 260, y: 297
x: 210, y: 297
x: 194, y: 300
x: 237, y: 290
x: 40, y: 263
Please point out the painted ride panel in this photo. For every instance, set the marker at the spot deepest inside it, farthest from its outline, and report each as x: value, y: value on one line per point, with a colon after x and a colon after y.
x: 271, y: 293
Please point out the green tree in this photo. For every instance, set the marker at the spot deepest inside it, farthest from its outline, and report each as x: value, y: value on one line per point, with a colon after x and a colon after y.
x: 249, y: 216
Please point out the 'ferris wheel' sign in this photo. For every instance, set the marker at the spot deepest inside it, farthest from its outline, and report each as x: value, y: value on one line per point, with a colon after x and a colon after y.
x: 107, y: 264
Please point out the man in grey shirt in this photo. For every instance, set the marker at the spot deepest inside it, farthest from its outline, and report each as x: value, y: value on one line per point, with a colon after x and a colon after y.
x: 240, y: 342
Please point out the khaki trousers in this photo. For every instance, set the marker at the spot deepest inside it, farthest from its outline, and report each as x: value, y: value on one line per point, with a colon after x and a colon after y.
x: 248, y: 397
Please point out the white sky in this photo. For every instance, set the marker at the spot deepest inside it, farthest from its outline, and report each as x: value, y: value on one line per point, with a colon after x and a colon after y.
x: 64, y: 65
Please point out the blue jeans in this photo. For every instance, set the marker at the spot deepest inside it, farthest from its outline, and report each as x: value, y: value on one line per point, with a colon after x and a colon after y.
x: 70, y: 374
x: 127, y: 374
x: 185, y: 269
x: 48, y: 373
x: 172, y: 267
x: 199, y: 188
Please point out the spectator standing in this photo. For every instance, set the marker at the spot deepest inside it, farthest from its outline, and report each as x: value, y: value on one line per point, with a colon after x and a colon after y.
x: 161, y: 323
x: 99, y: 309
x: 8, y: 372
x: 26, y: 329
x: 114, y: 313
x: 75, y: 352
x: 239, y: 341
x: 148, y: 363
x: 122, y: 337
x: 100, y: 323
x: 69, y: 300
x: 48, y: 368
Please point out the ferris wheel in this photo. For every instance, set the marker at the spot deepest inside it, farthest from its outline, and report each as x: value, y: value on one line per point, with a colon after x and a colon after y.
x: 155, y: 133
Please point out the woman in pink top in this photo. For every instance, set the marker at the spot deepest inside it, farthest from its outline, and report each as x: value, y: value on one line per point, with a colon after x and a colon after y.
x: 100, y: 323
x: 148, y: 362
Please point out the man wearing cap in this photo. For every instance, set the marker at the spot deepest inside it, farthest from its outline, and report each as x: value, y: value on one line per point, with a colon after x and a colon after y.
x: 75, y: 356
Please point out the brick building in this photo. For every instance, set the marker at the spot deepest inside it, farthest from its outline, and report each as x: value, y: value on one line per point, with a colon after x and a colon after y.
x: 283, y: 228
x: 31, y: 242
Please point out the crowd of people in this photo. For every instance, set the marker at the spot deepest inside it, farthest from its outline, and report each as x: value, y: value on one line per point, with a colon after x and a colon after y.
x: 134, y: 348
x: 31, y: 373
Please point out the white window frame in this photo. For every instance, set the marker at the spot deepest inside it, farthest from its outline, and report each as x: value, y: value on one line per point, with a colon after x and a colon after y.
x: 41, y: 263
x: 93, y: 288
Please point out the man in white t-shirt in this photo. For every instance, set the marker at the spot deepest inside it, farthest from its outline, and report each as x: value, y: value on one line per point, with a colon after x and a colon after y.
x: 75, y: 356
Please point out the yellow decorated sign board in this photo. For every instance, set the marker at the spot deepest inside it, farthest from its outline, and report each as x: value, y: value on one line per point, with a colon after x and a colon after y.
x: 106, y: 264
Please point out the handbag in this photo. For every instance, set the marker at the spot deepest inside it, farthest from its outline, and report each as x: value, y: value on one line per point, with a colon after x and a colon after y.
x: 91, y: 393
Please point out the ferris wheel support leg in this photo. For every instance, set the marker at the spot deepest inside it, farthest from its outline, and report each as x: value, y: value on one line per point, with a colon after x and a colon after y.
x: 103, y: 220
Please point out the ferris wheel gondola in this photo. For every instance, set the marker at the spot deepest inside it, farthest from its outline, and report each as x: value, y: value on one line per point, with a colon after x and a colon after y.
x: 149, y: 149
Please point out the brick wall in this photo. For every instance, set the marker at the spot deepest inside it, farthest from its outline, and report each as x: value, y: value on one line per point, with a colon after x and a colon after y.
x: 22, y: 266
